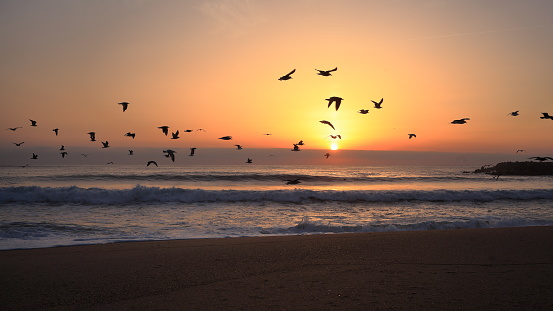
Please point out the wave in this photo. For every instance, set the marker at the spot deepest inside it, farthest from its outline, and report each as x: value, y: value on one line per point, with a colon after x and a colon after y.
x: 143, y: 194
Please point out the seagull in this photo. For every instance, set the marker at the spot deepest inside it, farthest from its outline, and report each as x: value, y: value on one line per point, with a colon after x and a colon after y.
x: 541, y: 159
x: 411, y: 135
x: 187, y: 131
x: 192, y: 150
x: 226, y: 137
x: 520, y: 150
x: 175, y: 135
x: 364, y: 111
x: 267, y: 134
x: 326, y: 73
x: 62, y: 147
x: 327, y: 155
x: 109, y: 163
x: 13, y: 128
x: 63, y: 154
x: 334, y: 136
x: 170, y: 154
x: 131, y: 152
x: 238, y: 147
x: 514, y: 113
x: 546, y: 116
x: 334, y: 99
x: 56, y: 131
x: 106, y: 144
x: 19, y: 144
x: 33, y: 122
x: 379, y: 104
x: 84, y: 154
x: 300, y: 143
x: 152, y: 162
x: 92, y: 136
x: 23, y: 166
x: 249, y: 160
x: 129, y: 134
x: 287, y: 76
x: 292, y: 182
x: 326, y: 122
x: 164, y: 129
x: 460, y: 121
x: 201, y: 130
x: 35, y: 156
x: 125, y: 105
x: 296, y: 148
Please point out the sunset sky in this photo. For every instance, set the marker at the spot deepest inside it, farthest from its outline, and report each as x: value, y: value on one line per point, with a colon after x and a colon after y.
x: 215, y: 64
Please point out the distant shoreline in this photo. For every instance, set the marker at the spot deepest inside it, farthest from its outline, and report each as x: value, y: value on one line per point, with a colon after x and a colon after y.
x: 526, y: 168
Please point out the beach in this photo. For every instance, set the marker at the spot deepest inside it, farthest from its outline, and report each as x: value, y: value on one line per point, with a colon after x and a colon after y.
x: 465, y: 269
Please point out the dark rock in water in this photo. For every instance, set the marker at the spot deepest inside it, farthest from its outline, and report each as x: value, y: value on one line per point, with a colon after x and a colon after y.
x: 518, y: 168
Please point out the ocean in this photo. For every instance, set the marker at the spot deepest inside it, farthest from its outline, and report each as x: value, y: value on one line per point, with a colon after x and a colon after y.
x: 71, y: 205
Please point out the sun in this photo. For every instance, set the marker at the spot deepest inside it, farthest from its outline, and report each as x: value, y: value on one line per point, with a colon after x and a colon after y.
x: 334, y: 146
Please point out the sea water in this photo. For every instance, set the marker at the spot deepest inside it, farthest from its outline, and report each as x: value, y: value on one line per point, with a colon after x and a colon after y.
x: 69, y: 205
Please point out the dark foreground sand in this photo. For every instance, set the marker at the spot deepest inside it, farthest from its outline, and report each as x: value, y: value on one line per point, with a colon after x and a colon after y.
x: 485, y: 269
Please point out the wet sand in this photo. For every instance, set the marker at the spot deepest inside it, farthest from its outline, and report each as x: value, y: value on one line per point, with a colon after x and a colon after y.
x: 465, y: 269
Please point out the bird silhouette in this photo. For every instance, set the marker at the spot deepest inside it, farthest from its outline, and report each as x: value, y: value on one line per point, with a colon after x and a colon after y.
x: 514, y: 113
x: 520, y: 150
x: 170, y: 154
x: 288, y: 76
x: 63, y: 154
x: 327, y: 155
x: 192, y: 151
x: 326, y: 73
x: 175, y: 135
x: 238, y: 147
x: 541, y: 159
x: 226, y: 138
x: 334, y: 100
x: 56, y: 131
x: 411, y: 135
x: 334, y: 136
x: 125, y: 105
x: 151, y: 162
x: 62, y: 147
x: 460, y: 121
x: 249, y: 160
x: 187, y: 131
x: 164, y: 129
x: 129, y: 134
x: 379, y: 104
x: 84, y: 154
x: 326, y: 122
x: 19, y: 144
x: 35, y: 156
x: 33, y: 122
x: 131, y: 152
x: 546, y: 116
x: 292, y: 181
x: 105, y: 144
x: 364, y: 111
x: 13, y: 128
x: 296, y: 147
x: 92, y: 136
x: 300, y: 143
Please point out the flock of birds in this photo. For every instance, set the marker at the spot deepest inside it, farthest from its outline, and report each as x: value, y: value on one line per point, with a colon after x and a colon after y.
x: 334, y: 100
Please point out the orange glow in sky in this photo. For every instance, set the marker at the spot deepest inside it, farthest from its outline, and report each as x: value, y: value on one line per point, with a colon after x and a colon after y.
x: 214, y: 65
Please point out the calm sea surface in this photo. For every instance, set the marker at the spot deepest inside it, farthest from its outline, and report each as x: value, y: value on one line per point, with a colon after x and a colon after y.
x: 68, y: 205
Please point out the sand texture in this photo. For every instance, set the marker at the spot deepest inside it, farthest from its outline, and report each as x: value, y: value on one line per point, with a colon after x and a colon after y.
x: 465, y: 269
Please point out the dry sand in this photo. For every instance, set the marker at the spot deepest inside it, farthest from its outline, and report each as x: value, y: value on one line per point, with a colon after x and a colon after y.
x: 466, y: 269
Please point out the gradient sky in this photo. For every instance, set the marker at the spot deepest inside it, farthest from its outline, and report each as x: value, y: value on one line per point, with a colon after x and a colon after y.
x: 215, y: 64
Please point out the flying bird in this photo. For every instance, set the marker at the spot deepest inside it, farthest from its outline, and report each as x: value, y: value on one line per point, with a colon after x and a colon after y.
x: 175, y: 135
x: 129, y: 134
x: 92, y: 136
x: 226, y: 138
x: 326, y: 73
x: 300, y: 143
x: 105, y: 144
x: 546, y: 116
x: 541, y: 159
x: 63, y: 154
x: 238, y: 147
x: 296, y: 147
x: 170, y: 154
x: 35, y: 156
x: 514, y: 113
x: 334, y: 136
x: 131, y: 152
x: 84, y: 154
x: 13, y: 128
x: 379, y: 104
x: 520, y: 150
x: 460, y: 121
x: 249, y: 160
x: 411, y: 135
x: 33, y: 122
x: 164, y: 129
x: 334, y: 99
x: 292, y: 182
x: 62, y: 147
x: 364, y: 111
x: 56, y: 131
x: 187, y: 131
x: 125, y: 105
x: 19, y: 144
x: 327, y: 155
x: 287, y: 76
x: 152, y: 162
x: 326, y: 122
x: 192, y: 150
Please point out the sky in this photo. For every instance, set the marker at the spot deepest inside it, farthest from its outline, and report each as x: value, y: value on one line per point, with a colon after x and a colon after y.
x: 214, y: 65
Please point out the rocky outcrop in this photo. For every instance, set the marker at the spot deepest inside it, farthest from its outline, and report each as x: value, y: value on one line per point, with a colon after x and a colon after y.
x: 518, y: 168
